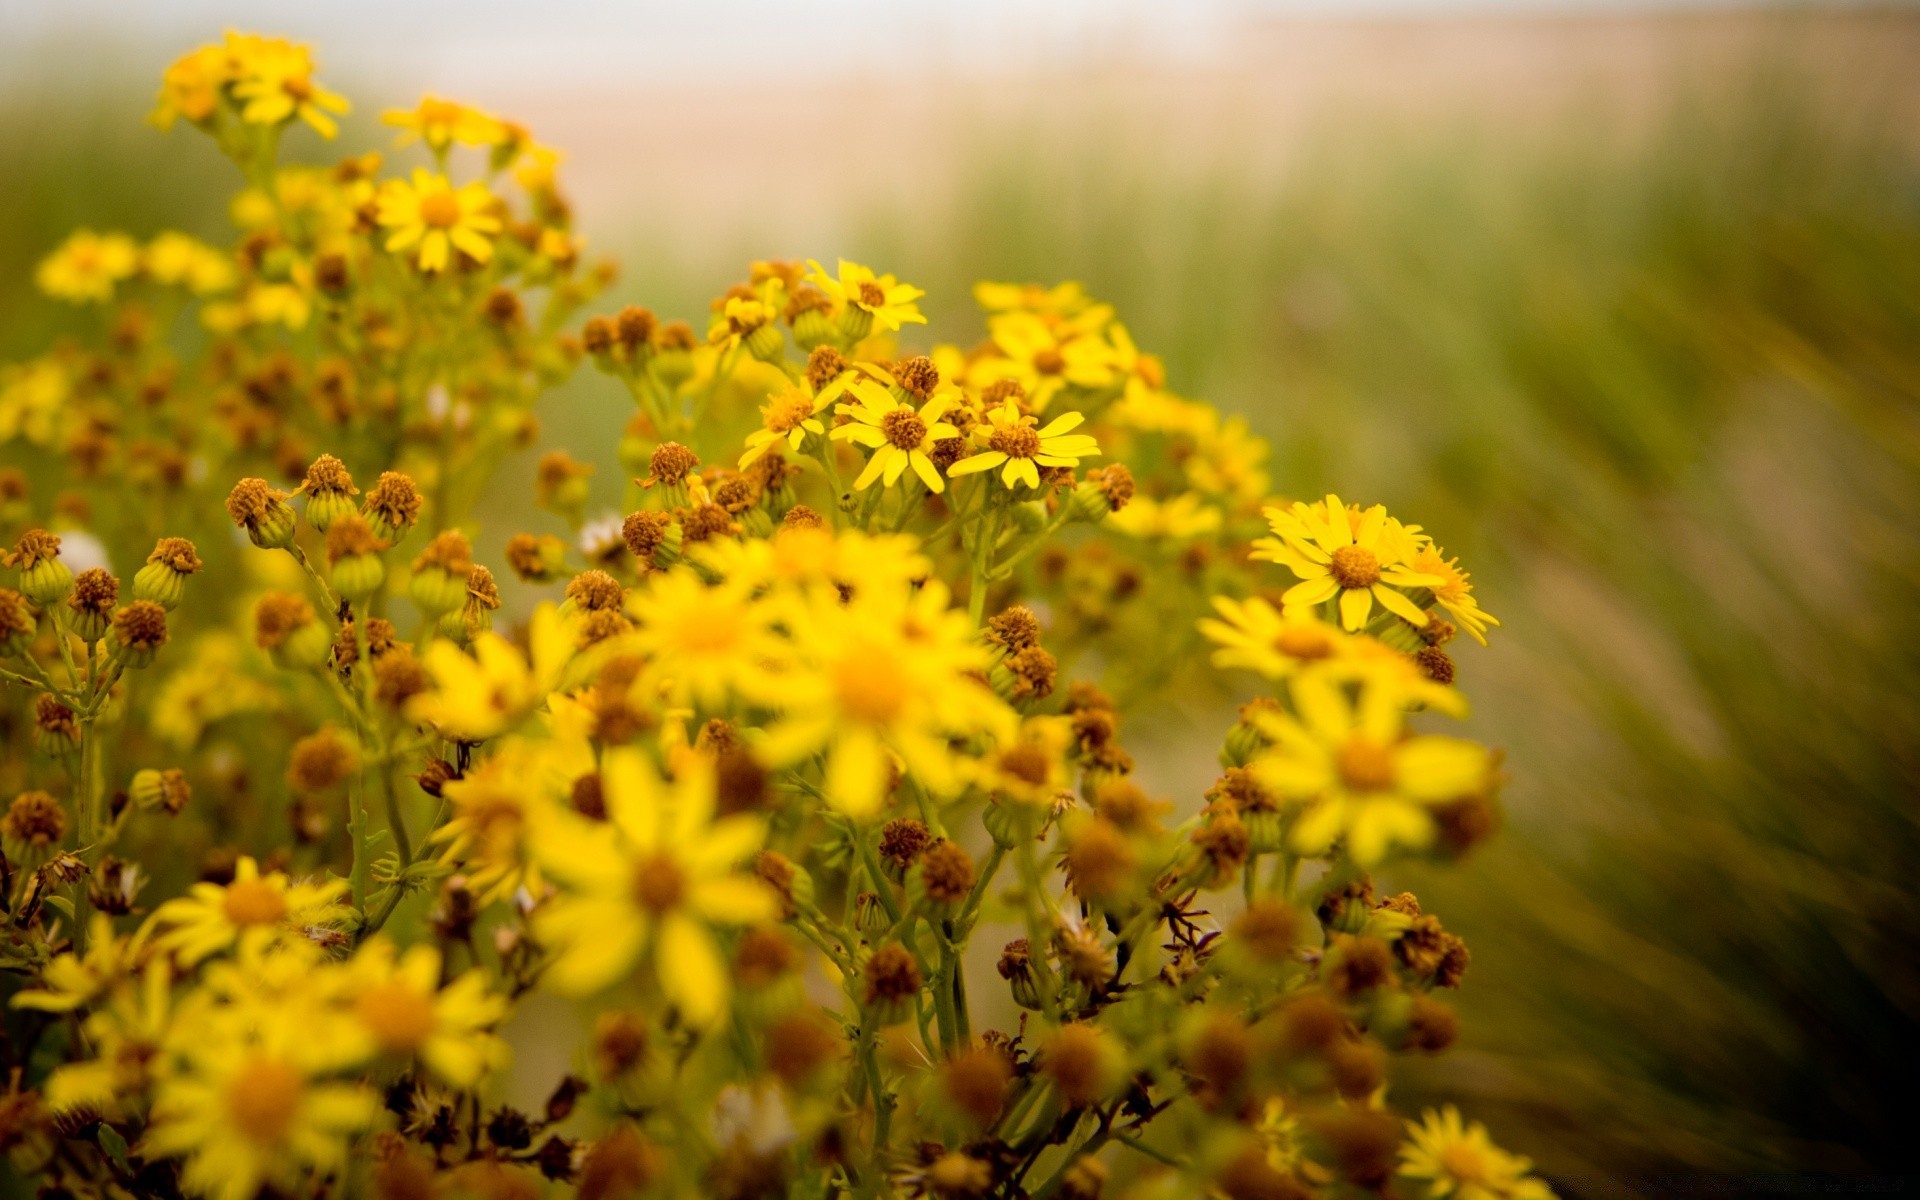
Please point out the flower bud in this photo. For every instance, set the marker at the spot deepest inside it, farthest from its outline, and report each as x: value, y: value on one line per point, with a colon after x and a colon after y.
x: 353, y: 553
x: 855, y: 323
x: 942, y: 880
x: 1016, y: 967
x: 264, y: 513
x: 870, y: 915
x: 285, y: 627
x: 163, y: 579
x: 165, y: 791
x: 91, y: 603
x: 329, y: 491
x: 392, y: 507
x: 138, y: 632
x: 766, y: 344
x: 1030, y: 517
x: 439, y: 581
x: 56, y: 729
x: 16, y: 623
x: 892, y: 984
x: 44, y: 579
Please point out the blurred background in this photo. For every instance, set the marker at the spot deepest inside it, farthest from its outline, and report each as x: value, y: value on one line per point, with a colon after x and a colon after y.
x: 1622, y: 303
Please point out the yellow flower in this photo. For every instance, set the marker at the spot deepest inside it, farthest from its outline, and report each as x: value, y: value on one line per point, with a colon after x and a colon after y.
x: 900, y: 436
x: 485, y: 835
x: 400, y: 1006
x: 1255, y: 636
x: 86, y: 267
x: 889, y: 673
x: 1337, y: 550
x: 1062, y: 299
x: 248, y: 1113
x: 191, y: 86
x: 76, y: 981
x: 1045, y: 358
x: 211, y: 917
x: 482, y: 695
x: 442, y: 123
x: 431, y: 213
x: 704, y: 643
x: 660, y: 872
x: 274, y: 83
x: 33, y: 395
x: 176, y: 260
x: 886, y: 299
x: 1182, y: 518
x: 1010, y: 438
x: 1358, y: 775
x: 125, y: 1034
x: 1458, y: 1161
x: 1453, y: 590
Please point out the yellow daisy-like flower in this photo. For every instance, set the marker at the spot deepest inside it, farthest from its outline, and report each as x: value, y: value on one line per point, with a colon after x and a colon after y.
x: 1255, y: 636
x: 659, y: 873
x: 248, y: 1113
x: 1062, y: 299
x: 484, y: 694
x: 401, y: 1008
x: 76, y: 981
x: 704, y: 643
x: 87, y: 266
x: 274, y: 84
x: 1009, y: 438
x: 490, y: 810
x: 900, y: 435
x: 190, y: 87
x: 1183, y: 517
x: 211, y: 917
x: 1458, y: 1161
x: 442, y: 123
x: 886, y: 299
x: 125, y: 1034
x: 429, y: 212
x: 1046, y: 358
x: 1339, y: 551
x: 1357, y: 773
x: 892, y: 673
x: 789, y: 415
x: 176, y: 260
x: 1453, y: 591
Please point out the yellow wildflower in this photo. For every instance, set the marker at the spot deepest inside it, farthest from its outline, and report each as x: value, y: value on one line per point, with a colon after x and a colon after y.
x: 1046, y: 359
x: 899, y: 435
x: 251, y: 1113
x: 1453, y: 590
x: 1336, y: 550
x: 484, y: 694
x: 429, y: 212
x: 485, y: 835
x: 705, y: 643
x: 888, y: 302
x: 661, y: 871
x: 442, y: 123
x: 85, y: 268
x: 401, y: 1008
x: 1254, y: 636
x: 1457, y: 1160
x: 1359, y: 777
x: 1182, y: 518
x: 176, y: 260
x: 211, y: 917
x: 1009, y: 438
x: 274, y: 83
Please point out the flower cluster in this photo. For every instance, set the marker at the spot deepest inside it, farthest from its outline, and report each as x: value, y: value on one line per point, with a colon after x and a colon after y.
x: 800, y: 779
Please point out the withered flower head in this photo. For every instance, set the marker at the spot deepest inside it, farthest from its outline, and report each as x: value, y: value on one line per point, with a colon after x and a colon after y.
x: 176, y: 554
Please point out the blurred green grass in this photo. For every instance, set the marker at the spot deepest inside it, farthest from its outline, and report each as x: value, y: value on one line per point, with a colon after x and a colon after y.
x: 1657, y: 387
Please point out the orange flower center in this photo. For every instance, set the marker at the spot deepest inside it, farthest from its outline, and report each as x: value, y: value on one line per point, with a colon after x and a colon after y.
x: 904, y: 428
x: 263, y: 1099
x: 1049, y: 361
x: 787, y: 410
x: 1015, y: 441
x: 1365, y: 765
x: 659, y: 884
x: 399, y: 1017
x: 440, y: 210
x: 875, y: 694
x: 1464, y: 1163
x: 254, y: 902
x: 1305, y: 643
x: 872, y: 295
x: 1355, y: 567
x: 298, y: 86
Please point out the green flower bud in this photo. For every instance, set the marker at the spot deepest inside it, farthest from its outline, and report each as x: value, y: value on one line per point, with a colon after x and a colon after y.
x: 813, y: 328
x: 324, y: 508
x: 138, y: 632
x: 1030, y: 517
x: 855, y: 323
x: 358, y: 576
x: 47, y: 582
x: 264, y: 513
x: 437, y: 590
x: 16, y: 623
x: 766, y: 344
